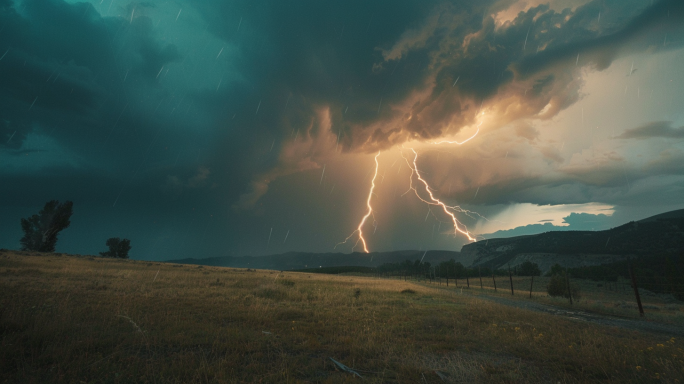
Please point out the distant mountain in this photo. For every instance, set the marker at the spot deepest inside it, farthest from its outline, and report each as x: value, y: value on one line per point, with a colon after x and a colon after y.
x: 657, y: 235
x: 302, y: 260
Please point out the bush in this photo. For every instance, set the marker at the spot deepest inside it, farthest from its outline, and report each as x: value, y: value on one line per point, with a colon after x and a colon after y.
x: 558, y: 287
x: 118, y: 248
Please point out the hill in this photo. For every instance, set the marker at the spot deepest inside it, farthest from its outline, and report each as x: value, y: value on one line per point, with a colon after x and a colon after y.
x: 657, y: 235
x: 305, y: 260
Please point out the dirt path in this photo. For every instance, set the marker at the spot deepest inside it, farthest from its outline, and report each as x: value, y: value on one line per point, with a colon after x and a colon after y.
x: 579, y: 315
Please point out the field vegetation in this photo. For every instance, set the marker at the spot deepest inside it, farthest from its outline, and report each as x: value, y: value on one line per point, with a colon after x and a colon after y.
x: 102, y: 320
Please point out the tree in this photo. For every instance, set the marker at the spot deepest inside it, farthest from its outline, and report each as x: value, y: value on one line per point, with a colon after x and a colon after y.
x: 529, y: 268
x: 117, y: 248
x: 452, y: 268
x: 41, y: 230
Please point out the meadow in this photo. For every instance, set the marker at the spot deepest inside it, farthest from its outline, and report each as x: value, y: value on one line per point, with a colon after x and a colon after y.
x: 93, y: 320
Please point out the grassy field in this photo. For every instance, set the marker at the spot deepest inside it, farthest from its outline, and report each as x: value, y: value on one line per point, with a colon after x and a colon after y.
x: 92, y: 320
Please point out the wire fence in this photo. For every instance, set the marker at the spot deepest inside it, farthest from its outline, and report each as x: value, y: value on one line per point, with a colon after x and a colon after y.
x: 652, y: 293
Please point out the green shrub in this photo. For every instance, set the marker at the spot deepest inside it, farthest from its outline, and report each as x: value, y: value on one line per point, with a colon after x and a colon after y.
x: 557, y: 286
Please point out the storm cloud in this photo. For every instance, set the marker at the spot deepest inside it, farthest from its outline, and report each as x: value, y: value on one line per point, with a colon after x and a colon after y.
x: 188, y: 113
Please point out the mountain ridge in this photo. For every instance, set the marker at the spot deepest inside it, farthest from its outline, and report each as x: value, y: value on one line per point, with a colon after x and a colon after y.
x: 658, y: 234
x: 655, y: 235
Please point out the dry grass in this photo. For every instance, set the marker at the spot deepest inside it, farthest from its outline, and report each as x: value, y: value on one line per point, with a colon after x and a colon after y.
x: 71, y: 319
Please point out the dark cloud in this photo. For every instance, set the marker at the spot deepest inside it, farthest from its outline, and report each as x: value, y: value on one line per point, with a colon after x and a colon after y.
x: 654, y: 129
x: 581, y: 37
x: 64, y: 68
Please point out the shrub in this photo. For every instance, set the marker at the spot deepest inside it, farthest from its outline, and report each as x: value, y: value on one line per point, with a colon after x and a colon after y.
x: 118, y: 248
x: 557, y: 286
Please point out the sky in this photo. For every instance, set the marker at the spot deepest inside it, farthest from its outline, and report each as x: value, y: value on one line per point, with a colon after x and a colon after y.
x: 230, y: 128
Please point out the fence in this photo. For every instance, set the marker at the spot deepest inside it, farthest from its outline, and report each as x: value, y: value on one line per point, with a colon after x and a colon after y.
x: 617, y: 290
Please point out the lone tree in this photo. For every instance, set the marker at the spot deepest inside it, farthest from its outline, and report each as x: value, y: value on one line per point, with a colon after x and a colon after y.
x: 41, y: 230
x: 117, y: 248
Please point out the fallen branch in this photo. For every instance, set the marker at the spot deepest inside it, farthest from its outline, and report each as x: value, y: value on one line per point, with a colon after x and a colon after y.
x: 134, y: 325
x: 345, y: 368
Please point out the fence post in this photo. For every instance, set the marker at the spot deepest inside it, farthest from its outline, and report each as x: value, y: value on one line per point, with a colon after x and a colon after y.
x: 531, y: 283
x: 467, y: 281
x: 510, y: 277
x: 494, y: 280
x: 447, y: 276
x: 636, y: 290
x: 479, y: 272
x: 567, y: 283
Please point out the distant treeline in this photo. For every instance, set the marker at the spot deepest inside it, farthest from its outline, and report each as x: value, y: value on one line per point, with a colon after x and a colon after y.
x: 451, y: 269
x: 660, y: 274
x: 337, y: 270
x: 454, y: 269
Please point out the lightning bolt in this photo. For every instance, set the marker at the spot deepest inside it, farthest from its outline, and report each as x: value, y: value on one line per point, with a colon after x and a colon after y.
x: 448, y: 209
x: 464, y: 141
x: 359, y: 229
x: 458, y: 226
